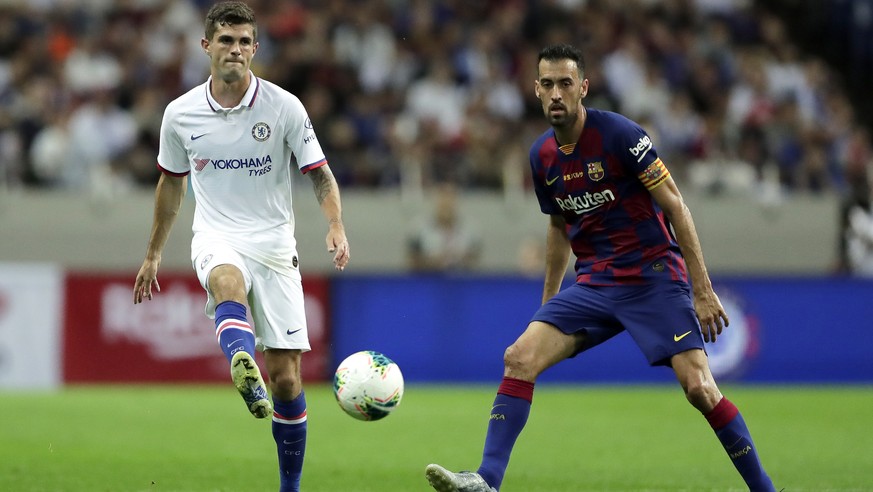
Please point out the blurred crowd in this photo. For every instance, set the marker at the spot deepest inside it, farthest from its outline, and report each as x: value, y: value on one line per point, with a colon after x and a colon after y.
x: 418, y: 92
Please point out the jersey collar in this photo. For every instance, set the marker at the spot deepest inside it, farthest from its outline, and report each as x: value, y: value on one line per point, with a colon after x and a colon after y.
x: 247, y: 101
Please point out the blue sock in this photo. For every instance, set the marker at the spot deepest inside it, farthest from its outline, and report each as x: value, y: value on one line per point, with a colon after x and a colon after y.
x: 734, y: 435
x: 508, y: 417
x: 289, y: 431
x: 232, y: 329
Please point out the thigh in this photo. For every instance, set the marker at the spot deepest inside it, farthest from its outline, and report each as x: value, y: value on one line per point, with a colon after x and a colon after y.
x: 210, y: 256
x: 582, y: 310
x: 661, y: 320
x: 540, y: 346
x: 278, y: 310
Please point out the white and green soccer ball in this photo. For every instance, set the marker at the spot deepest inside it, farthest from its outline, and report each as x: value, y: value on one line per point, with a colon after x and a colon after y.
x: 368, y: 385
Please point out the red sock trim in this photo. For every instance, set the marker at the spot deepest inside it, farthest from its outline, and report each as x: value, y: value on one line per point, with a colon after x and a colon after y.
x: 722, y: 414
x: 517, y: 388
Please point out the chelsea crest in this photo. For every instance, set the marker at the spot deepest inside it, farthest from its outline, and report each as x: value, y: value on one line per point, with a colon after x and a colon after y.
x: 261, y: 131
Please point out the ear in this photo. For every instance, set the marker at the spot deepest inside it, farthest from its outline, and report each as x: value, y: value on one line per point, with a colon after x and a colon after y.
x: 204, y: 43
x: 584, y: 89
x: 537, y: 88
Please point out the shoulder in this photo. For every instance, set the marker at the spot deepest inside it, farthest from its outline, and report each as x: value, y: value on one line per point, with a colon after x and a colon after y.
x: 544, y: 143
x: 621, y: 134
x: 189, y: 100
x: 276, y: 96
x: 611, y: 122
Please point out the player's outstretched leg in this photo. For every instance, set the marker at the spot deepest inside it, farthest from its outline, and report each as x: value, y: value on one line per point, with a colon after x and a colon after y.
x: 248, y: 381
x: 443, y: 480
x: 508, y: 417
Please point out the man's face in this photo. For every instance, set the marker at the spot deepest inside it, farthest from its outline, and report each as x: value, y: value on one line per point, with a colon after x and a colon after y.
x: 560, y: 91
x: 231, y: 50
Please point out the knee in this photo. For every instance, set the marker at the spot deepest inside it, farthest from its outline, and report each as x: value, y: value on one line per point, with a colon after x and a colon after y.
x: 226, y: 282
x: 285, y: 385
x: 518, y: 363
x: 703, y: 394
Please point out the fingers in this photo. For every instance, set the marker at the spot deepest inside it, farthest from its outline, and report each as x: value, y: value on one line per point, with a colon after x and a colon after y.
x: 143, y: 289
x: 712, y: 326
x: 342, y: 256
x: 339, y: 245
x: 710, y: 333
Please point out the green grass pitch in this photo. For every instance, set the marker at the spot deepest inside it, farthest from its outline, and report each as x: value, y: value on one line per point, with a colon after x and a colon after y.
x: 578, y: 438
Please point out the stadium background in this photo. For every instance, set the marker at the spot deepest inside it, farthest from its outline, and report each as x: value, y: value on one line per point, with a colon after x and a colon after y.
x: 760, y: 108
x: 766, y: 131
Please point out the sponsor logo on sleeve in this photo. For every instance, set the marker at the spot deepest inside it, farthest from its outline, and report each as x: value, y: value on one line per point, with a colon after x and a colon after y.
x: 642, y: 148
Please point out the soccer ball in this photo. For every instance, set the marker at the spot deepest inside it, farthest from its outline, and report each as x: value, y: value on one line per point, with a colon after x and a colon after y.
x: 368, y: 385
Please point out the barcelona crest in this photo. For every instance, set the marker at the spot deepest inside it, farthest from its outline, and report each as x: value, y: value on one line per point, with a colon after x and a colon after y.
x: 595, y: 171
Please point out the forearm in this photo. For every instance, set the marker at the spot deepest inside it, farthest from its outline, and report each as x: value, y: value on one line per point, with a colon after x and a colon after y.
x: 168, y: 201
x: 689, y: 243
x: 327, y: 194
x: 557, y: 256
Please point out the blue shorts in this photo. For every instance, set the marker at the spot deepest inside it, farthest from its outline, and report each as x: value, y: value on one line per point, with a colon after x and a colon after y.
x: 659, y: 317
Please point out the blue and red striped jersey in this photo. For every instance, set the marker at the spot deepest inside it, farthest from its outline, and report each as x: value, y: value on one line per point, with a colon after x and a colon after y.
x: 600, y: 185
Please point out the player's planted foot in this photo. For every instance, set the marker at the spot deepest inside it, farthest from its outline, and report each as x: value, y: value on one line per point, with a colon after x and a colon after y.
x: 443, y: 480
x: 248, y: 381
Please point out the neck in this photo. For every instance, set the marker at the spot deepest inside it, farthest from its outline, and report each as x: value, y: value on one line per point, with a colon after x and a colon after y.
x: 229, y: 93
x: 570, y: 134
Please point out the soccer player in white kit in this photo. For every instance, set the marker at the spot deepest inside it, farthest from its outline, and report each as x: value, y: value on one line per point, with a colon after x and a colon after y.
x: 234, y: 136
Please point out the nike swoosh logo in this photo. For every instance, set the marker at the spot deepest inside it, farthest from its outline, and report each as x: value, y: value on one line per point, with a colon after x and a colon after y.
x: 193, y: 137
x: 291, y: 442
x: 550, y: 181
x: 289, y: 332
x: 233, y: 342
x: 676, y: 338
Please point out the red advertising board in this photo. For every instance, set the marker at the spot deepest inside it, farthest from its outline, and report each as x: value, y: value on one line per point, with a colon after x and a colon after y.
x: 108, y: 339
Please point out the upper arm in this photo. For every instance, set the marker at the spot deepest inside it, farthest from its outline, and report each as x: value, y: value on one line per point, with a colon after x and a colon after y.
x: 300, y: 136
x: 172, y: 154
x: 557, y: 221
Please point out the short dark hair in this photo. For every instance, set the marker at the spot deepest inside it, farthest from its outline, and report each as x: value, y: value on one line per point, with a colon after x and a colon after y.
x: 558, y: 52
x: 230, y: 13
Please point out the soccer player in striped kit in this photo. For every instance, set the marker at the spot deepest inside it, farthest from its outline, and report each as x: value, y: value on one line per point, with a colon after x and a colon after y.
x: 234, y: 136
x: 639, y: 268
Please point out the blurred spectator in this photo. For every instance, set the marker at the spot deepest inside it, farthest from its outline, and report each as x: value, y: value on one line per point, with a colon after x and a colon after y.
x: 856, y: 241
x: 856, y: 213
x: 436, y: 103
x: 368, y: 45
x: 750, y: 110
x: 443, y: 242
x: 100, y: 134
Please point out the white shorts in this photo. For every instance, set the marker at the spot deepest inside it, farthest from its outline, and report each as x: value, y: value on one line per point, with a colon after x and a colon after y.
x: 275, y: 300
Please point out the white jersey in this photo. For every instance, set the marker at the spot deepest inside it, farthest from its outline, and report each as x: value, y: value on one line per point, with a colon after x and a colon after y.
x: 239, y: 164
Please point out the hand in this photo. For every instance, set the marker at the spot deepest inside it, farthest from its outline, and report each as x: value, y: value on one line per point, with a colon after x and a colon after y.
x: 147, y: 276
x: 711, y: 315
x: 339, y: 245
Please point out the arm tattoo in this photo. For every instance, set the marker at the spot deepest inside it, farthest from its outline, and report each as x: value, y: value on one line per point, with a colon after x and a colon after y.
x: 322, y: 182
